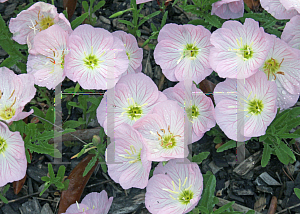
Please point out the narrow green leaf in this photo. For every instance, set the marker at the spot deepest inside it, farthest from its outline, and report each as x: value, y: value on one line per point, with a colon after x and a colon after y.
x: 287, y: 150
x: 138, y: 33
x: 282, y: 156
x: 61, y: 172
x: 85, y: 6
x: 197, y: 22
x: 66, y: 184
x: 224, y: 208
x: 98, y: 6
x: 203, y: 209
x: 6, y: 188
x: 10, y: 61
x: 149, y: 17
x: 153, y: 27
x: 297, y: 192
x: 266, y: 155
x: 45, y: 178
x: 217, y: 140
x: 90, y: 165
x: 164, y: 19
x: 65, y: 13
x: 250, y: 212
x: 2, y: 198
x: 78, y: 21
x: 280, y: 118
x: 46, y: 186
x: 262, y: 138
x: 288, y: 135
x: 75, y: 105
x: 228, y: 145
x: 120, y: 13
x: 72, y: 124
x: 50, y: 171
x: 200, y: 157
x: 125, y: 22
x: 293, y: 123
x: 208, y: 192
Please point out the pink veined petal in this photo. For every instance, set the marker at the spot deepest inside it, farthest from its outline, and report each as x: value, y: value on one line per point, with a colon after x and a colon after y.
x: 276, y: 9
x: 141, y: 1
x: 291, y: 4
x: 225, y: 9
x: 285, y: 99
x: 99, y: 200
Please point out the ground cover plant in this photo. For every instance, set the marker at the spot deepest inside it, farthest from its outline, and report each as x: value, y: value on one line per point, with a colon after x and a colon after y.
x: 230, y: 77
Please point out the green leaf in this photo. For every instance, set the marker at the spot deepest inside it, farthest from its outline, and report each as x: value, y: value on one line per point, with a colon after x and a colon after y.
x: 203, y: 209
x: 149, y: 17
x: 209, y: 182
x: 44, y: 148
x: 164, y: 19
x: 228, y: 145
x: 224, y: 208
x: 120, y: 13
x: 293, y: 123
x: 66, y: 184
x: 288, y: 135
x: 153, y: 27
x: 85, y: 6
x: 78, y: 21
x: 280, y: 118
x: 125, y: 22
x: 98, y: 6
x: 200, y: 157
x: 90, y: 165
x: 50, y: 117
x: 2, y: 198
x: 217, y: 140
x: 197, y: 22
x: 65, y: 13
x: 10, y: 61
x: 75, y: 105
x: 282, y: 156
x: 45, y: 178
x: 59, y: 185
x: 61, y: 172
x: 213, y: 20
x: 50, y: 171
x: 6, y: 188
x: 266, y: 155
x: 297, y: 192
x: 46, y: 186
x: 138, y: 33
x: 262, y: 138
x: 287, y: 150
x: 250, y: 212
x: 72, y: 124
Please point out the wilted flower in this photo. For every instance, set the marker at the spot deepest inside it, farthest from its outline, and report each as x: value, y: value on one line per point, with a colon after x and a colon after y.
x: 182, y: 52
x: 46, y: 60
x: 13, y: 163
x: 36, y: 18
x: 132, y: 167
x: 239, y: 49
x: 134, y: 53
x: 249, y: 109
x: 174, y: 188
x: 276, y: 9
x: 163, y: 131
x: 96, y: 57
x: 228, y: 9
x: 282, y: 65
x: 93, y: 203
x: 291, y: 32
x: 201, y: 110
x: 15, y: 92
x: 135, y: 96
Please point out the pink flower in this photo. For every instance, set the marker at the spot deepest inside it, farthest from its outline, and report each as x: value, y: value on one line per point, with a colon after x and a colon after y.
x: 239, y: 49
x: 135, y: 95
x: 46, y: 60
x: 96, y: 58
x: 132, y: 167
x: 249, y: 109
x: 13, y: 163
x: 134, y: 53
x: 291, y: 32
x: 276, y: 9
x: 291, y: 4
x: 2, y: 1
x: 201, y: 110
x: 15, y: 92
x: 36, y: 18
x: 142, y: 1
x: 282, y: 65
x: 93, y: 203
x: 228, y: 9
x: 163, y: 130
x: 182, y: 52
x: 174, y: 188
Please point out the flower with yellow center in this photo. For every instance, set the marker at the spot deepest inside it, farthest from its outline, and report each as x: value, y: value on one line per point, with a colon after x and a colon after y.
x: 282, y: 66
x: 174, y: 188
x: 46, y: 60
x: 163, y: 131
x: 250, y: 110
x: 131, y: 167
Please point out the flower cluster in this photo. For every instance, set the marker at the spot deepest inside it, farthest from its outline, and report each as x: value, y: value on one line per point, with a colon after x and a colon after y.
x: 144, y: 124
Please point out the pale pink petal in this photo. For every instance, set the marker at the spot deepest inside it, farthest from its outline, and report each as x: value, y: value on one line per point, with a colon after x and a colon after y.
x: 276, y: 9
x: 228, y: 9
